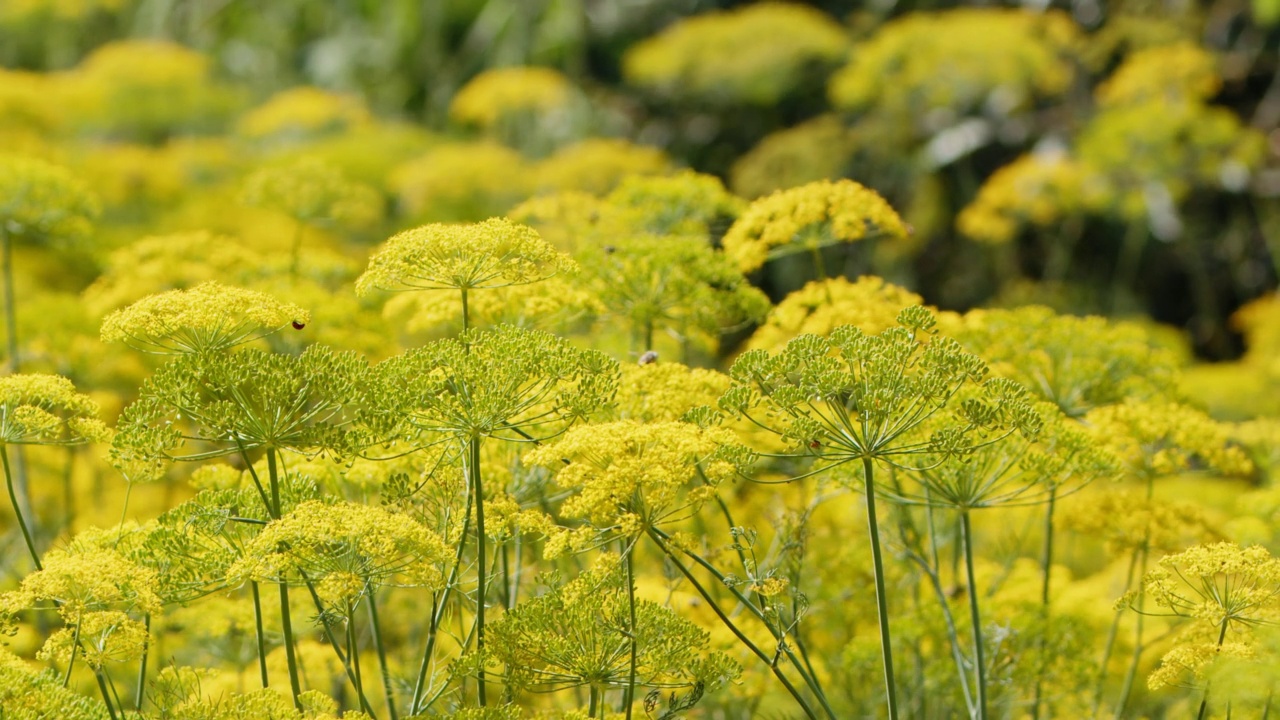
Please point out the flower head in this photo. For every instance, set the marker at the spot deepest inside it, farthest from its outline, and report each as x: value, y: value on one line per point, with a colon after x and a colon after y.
x: 311, y: 191
x: 809, y: 217
x: 40, y: 201
x: 868, y: 303
x: 46, y: 410
x: 209, y: 317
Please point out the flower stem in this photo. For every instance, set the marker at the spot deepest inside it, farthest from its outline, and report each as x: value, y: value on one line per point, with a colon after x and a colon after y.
x: 106, y: 694
x: 10, y: 305
x: 477, y: 489
x: 437, y: 612
x: 142, y: 666
x: 261, y: 636
x: 17, y: 508
x: 882, y: 601
x: 286, y: 622
x: 1204, y: 702
x: 628, y: 698
x: 1046, y: 564
x: 715, y: 607
x: 466, y: 315
x: 975, y: 617
x: 382, y: 653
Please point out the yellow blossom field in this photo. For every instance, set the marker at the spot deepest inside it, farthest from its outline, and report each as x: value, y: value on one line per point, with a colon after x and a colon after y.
x: 662, y: 360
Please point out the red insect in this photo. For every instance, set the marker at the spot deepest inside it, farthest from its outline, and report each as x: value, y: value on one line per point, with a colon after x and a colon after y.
x: 298, y: 325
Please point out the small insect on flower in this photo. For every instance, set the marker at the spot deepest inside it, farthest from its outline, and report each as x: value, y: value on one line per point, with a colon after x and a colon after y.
x: 648, y: 358
x: 298, y: 324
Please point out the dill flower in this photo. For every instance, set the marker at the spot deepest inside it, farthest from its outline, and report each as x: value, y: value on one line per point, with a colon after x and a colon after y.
x: 1076, y: 363
x: 807, y: 218
x: 926, y: 61
x: 629, y: 476
x: 1154, y: 438
x: 91, y: 579
x: 303, y: 112
x: 1220, y: 584
x: 868, y: 303
x: 208, y: 318
x: 543, y: 304
x: 1195, y: 659
x: 312, y: 192
x: 24, y: 102
x: 461, y: 181
x: 1126, y: 521
x: 666, y: 391
x: 1178, y: 71
x: 495, y: 382
x: 753, y: 55
x: 346, y: 549
x: 69, y: 10
x: 571, y: 219
x: 108, y: 636
x: 235, y: 402
x: 46, y: 410
x: 42, y: 202
x: 597, y: 165
x: 1037, y: 190
x: 499, y: 93
x: 28, y: 695
x: 687, y: 203
x: 490, y: 254
x: 677, y: 284
x: 580, y: 634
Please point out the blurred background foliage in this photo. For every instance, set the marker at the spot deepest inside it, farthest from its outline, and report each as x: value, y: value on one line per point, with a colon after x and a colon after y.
x: 1116, y: 157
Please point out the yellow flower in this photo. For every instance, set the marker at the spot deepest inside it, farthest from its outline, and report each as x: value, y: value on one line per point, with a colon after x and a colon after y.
x: 816, y: 149
x: 91, y: 579
x: 312, y: 191
x: 1036, y: 190
x: 807, y: 218
x: 665, y: 391
x: 104, y: 636
x: 301, y: 113
x: 869, y: 303
x: 499, y: 92
x: 1158, y: 438
x: 490, y: 254
x: 46, y: 410
x: 1178, y: 72
x: 40, y: 201
x: 210, y: 317
x: 755, y: 55
x: 687, y: 203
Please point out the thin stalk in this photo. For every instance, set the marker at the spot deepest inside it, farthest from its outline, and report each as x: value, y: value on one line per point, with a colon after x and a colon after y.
x: 1144, y: 553
x: 715, y: 607
x: 473, y: 471
x: 68, y: 489
x: 1204, y: 702
x: 819, y: 267
x: 353, y: 650
x: 466, y: 315
x: 437, y: 611
x: 261, y: 636
x: 365, y: 706
x: 1109, y: 645
x: 882, y: 601
x: 75, y: 645
x: 286, y: 622
x: 595, y: 701
x: 106, y: 694
x: 142, y: 666
x: 17, y: 509
x: 1046, y: 564
x: 382, y: 653
x: 628, y: 697
x: 974, y: 616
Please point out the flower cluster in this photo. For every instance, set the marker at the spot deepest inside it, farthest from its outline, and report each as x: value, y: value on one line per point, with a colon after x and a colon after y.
x: 868, y: 303
x: 43, y: 201
x: 807, y: 218
x: 47, y: 410
x: 501, y: 92
x: 311, y: 191
x: 754, y: 55
x: 208, y: 318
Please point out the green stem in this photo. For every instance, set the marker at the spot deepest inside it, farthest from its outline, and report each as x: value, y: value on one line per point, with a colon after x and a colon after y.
x: 1110, y: 643
x: 106, y: 694
x: 724, y: 619
x: 628, y: 698
x: 75, y: 645
x: 142, y: 666
x: 466, y: 315
x: 1143, y: 554
x: 1046, y: 565
x: 595, y: 701
x: 1204, y: 702
x: 477, y: 489
x: 974, y: 616
x: 382, y: 654
x: 68, y: 489
x: 17, y: 509
x: 260, y: 635
x: 365, y: 706
x: 819, y: 267
x: 353, y: 649
x: 437, y: 611
x: 882, y: 600
x: 286, y: 622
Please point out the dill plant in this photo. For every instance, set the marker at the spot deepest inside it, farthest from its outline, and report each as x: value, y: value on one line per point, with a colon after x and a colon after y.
x: 858, y: 398
x: 505, y: 384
